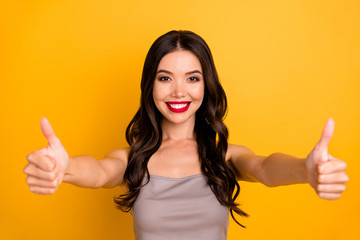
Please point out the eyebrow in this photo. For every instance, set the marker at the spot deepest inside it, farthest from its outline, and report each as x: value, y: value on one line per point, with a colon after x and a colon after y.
x: 188, y: 73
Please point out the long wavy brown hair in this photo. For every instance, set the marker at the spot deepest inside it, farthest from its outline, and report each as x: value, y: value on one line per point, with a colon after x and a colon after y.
x: 144, y: 133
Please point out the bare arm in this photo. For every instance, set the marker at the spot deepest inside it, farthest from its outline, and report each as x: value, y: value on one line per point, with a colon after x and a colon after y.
x: 48, y: 167
x: 86, y: 171
x: 274, y: 170
x: 322, y: 171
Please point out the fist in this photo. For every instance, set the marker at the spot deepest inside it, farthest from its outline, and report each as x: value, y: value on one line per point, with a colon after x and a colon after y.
x: 46, y: 167
x: 326, y: 174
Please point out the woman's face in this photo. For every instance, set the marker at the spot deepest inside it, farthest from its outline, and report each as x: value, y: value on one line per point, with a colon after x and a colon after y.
x: 179, y: 86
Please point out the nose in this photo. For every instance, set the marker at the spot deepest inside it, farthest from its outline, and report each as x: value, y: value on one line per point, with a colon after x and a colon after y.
x: 178, y: 89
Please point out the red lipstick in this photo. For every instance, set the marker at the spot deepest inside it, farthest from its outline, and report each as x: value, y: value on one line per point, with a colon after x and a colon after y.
x: 178, y: 107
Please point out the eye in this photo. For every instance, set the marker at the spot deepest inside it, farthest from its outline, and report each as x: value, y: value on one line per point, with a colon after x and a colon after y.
x: 164, y: 78
x: 193, y: 79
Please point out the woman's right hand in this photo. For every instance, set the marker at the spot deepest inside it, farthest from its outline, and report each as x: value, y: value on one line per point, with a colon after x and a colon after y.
x: 46, y: 167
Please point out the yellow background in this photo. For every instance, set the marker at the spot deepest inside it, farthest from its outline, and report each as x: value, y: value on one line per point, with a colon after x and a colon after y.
x: 286, y: 67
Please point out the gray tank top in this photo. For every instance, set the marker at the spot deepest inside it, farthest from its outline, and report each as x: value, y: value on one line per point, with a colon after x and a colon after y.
x: 179, y: 209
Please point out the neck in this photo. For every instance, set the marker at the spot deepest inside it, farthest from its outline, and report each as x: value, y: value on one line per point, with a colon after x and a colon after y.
x: 178, y: 131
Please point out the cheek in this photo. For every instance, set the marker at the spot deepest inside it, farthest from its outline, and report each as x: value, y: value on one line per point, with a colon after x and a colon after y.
x: 158, y: 95
x: 156, y: 92
x: 198, y: 92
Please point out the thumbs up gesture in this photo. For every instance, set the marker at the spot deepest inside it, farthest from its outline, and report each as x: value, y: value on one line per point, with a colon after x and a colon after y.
x: 325, y: 173
x: 46, y: 167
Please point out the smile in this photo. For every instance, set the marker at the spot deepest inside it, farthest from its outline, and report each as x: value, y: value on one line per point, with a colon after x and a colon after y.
x: 178, y: 107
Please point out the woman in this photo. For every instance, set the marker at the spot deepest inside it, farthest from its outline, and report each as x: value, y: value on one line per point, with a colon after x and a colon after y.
x: 180, y: 171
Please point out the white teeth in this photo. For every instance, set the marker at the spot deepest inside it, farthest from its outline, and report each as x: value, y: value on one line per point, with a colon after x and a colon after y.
x: 178, y: 106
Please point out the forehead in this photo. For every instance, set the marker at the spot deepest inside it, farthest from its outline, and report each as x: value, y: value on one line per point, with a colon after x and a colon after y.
x: 180, y: 60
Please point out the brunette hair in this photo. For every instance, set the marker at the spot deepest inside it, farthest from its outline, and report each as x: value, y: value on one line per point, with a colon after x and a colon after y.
x: 144, y: 133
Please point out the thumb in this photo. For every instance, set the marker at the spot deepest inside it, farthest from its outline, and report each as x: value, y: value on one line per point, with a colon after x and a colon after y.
x: 326, y: 136
x: 327, y: 133
x: 49, y: 133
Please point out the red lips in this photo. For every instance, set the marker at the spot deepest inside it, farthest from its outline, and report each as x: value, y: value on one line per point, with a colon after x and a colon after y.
x: 178, y: 106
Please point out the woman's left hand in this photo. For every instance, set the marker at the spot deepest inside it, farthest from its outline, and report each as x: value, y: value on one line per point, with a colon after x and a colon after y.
x: 325, y: 173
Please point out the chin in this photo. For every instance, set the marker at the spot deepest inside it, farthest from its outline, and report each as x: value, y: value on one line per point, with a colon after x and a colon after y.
x: 178, y: 119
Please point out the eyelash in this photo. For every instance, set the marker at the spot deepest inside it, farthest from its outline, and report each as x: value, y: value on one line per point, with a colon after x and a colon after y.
x: 163, y: 78
x: 192, y: 79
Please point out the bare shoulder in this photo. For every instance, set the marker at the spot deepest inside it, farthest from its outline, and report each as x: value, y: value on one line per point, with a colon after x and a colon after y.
x: 114, y: 166
x: 243, y: 161
x: 235, y: 151
x: 116, y: 159
x: 119, y: 154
